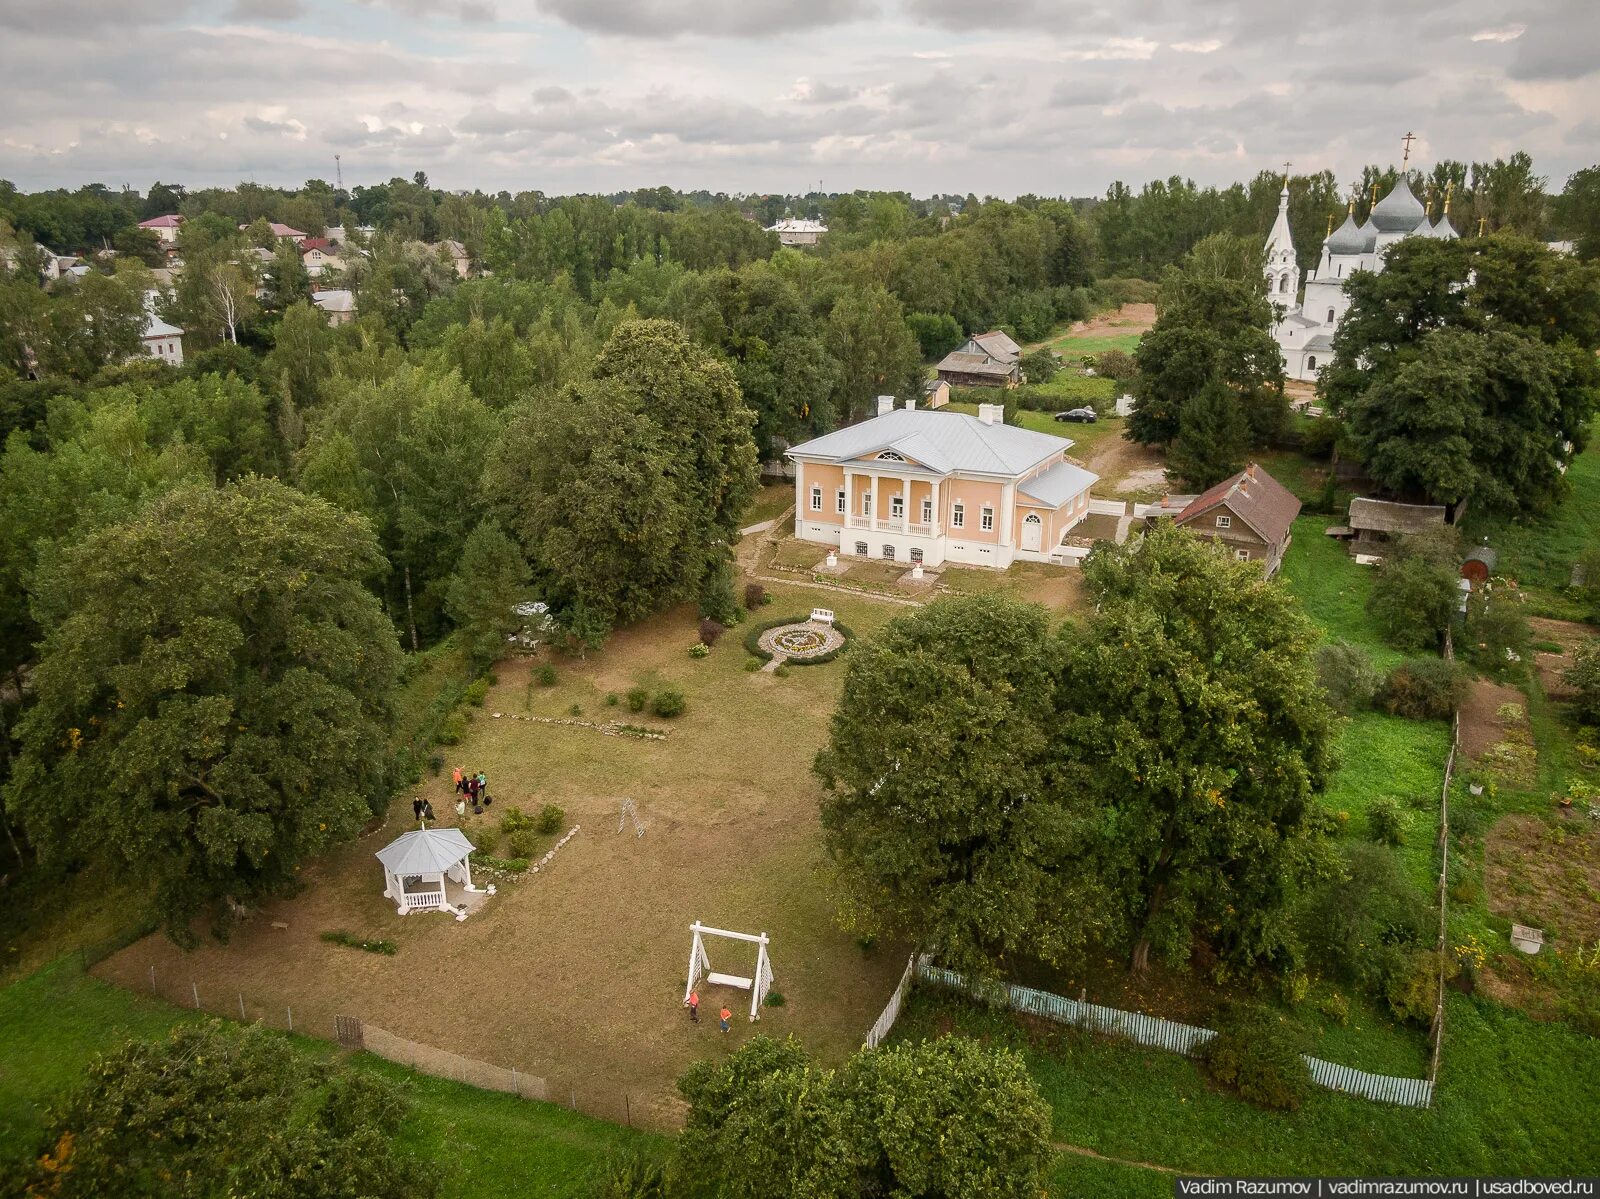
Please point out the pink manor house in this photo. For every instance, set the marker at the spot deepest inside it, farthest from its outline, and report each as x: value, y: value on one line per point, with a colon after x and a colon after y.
x: 920, y: 486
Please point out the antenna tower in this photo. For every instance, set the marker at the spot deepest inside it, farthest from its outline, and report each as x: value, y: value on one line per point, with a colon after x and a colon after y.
x: 338, y: 173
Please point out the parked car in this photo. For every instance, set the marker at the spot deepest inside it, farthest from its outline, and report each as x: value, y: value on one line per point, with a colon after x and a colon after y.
x: 1079, y: 416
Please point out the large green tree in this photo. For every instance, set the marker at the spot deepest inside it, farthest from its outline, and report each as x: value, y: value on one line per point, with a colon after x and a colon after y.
x: 1210, y: 444
x: 626, y: 490
x: 408, y: 453
x: 1191, y: 717
x: 213, y: 1111
x: 1466, y: 371
x: 945, y: 1119
x: 940, y: 814
x: 1211, y: 329
x: 211, y: 697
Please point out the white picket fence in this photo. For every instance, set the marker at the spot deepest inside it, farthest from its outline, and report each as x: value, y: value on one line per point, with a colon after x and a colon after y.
x: 891, y: 1010
x: 1156, y: 1033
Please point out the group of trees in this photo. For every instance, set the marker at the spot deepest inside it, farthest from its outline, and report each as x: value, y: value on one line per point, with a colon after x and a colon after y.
x: 1210, y: 377
x: 1465, y: 372
x: 1140, y: 782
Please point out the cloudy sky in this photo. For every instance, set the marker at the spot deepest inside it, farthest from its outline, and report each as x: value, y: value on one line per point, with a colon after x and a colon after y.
x: 995, y: 97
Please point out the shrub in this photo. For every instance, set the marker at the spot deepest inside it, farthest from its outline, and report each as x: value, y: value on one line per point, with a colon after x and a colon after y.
x: 524, y: 843
x: 1583, y: 676
x: 1362, y: 925
x: 551, y: 819
x: 546, y: 675
x: 755, y: 595
x: 611, y: 699
x: 1414, y: 593
x: 668, y: 702
x: 575, y: 710
x: 1387, y: 821
x: 514, y: 820
x: 506, y: 865
x: 452, y: 728
x: 1347, y: 675
x: 1335, y: 1007
x: 435, y: 764
x: 1256, y: 1053
x: 633, y: 1176
x: 752, y: 664
x: 710, y: 630
x: 774, y: 999
x: 638, y: 697
x: 1116, y: 364
x: 1321, y: 436
x: 477, y: 691
x: 716, y: 595
x: 1423, y: 689
x: 1039, y: 366
x: 781, y: 670
x: 338, y: 936
x: 1413, y: 992
x: 1497, y: 626
x: 699, y: 650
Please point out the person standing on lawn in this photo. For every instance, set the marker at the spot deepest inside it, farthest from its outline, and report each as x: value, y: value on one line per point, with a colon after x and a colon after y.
x: 694, y: 1007
x: 725, y: 1015
x: 458, y: 778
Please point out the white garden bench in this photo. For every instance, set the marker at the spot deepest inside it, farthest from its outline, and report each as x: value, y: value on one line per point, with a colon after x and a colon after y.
x: 822, y: 615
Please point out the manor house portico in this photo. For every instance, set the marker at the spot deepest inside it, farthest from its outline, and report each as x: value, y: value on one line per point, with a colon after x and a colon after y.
x: 930, y: 487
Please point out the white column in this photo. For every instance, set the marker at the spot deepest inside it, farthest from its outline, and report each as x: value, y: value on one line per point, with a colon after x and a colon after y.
x: 1008, y: 513
x: 874, y: 501
x: 848, y: 515
x: 466, y: 868
x: 799, y: 495
x: 938, y: 512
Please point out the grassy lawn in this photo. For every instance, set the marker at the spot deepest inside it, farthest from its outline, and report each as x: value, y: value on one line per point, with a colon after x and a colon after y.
x: 1540, y: 551
x: 1383, y: 756
x: 1511, y: 1100
x: 1074, y: 344
x: 1515, y: 1098
x: 769, y: 504
x: 1334, y: 589
x: 53, y: 1022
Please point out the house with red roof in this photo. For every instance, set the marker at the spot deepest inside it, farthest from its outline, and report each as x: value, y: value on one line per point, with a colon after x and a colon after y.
x: 1250, y: 515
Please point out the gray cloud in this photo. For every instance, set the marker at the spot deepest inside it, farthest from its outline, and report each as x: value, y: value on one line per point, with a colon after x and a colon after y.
x: 267, y: 10
x: 707, y: 18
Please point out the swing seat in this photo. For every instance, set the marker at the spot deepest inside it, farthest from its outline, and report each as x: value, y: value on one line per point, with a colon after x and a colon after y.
x: 729, y: 980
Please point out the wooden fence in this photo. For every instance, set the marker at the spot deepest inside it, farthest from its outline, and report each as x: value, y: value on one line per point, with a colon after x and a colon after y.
x: 1436, y: 1031
x: 1156, y: 1033
x: 354, y: 1033
x: 891, y: 1010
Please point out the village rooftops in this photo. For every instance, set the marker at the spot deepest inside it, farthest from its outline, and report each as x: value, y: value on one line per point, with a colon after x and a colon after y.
x: 170, y: 221
x: 281, y: 230
x: 1386, y: 516
x: 1256, y: 498
x: 942, y: 443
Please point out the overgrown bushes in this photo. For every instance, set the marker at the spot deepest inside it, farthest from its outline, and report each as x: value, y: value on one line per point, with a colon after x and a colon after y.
x: 338, y: 936
x: 1256, y: 1053
x: 1423, y: 689
x: 551, y: 819
x: 1583, y: 676
x: 1347, y: 676
x: 668, y: 702
x: 1365, y: 926
x: 1414, y: 594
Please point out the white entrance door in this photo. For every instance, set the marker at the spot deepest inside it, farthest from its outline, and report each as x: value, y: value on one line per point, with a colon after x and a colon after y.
x: 1032, y: 532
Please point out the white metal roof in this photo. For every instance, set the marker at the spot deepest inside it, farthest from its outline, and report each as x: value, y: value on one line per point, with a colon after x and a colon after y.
x: 940, y: 440
x: 425, y: 851
x: 1058, y: 484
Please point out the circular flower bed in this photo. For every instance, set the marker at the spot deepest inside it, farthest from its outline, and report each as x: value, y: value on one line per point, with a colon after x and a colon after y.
x: 802, y: 641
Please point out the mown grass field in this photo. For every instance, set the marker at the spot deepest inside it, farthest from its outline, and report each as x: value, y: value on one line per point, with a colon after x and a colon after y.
x: 55, y: 1021
x: 1515, y: 1097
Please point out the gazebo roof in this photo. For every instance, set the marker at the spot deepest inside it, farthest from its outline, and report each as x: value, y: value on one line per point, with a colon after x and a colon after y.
x: 425, y: 851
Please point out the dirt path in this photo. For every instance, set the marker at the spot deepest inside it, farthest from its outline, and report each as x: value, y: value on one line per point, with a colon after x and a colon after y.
x: 1081, y: 1151
x: 1125, y: 466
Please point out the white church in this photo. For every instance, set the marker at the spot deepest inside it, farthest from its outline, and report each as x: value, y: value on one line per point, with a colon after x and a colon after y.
x: 1304, y: 331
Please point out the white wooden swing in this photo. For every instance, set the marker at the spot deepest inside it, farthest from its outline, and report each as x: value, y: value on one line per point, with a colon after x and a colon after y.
x: 700, y: 965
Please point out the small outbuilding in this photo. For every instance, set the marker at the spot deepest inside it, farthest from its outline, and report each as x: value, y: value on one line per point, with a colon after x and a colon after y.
x: 1375, y: 524
x: 1479, y: 565
x: 417, y: 865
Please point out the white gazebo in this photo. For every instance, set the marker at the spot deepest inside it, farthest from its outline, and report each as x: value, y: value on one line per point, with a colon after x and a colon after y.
x: 416, y: 865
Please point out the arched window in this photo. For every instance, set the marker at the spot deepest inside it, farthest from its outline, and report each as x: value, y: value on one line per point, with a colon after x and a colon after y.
x: 1283, y: 283
x: 1330, y: 316
x: 1311, y: 363
x: 890, y: 456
